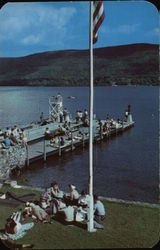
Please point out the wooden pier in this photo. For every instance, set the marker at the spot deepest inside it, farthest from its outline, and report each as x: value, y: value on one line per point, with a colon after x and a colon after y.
x: 66, y: 135
x: 39, y: 149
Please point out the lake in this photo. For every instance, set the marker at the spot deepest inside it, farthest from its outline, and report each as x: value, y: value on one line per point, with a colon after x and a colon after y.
x: 125, y: 166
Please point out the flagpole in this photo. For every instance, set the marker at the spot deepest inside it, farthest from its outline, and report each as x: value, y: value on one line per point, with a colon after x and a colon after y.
x: 90, y: 212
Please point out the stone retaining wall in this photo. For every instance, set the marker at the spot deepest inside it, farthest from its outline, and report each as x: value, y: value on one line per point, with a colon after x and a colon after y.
x: 10, y: 159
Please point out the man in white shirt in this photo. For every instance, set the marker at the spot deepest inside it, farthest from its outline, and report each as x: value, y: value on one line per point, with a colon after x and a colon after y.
x: 74, y: 195
x: 99, y: 211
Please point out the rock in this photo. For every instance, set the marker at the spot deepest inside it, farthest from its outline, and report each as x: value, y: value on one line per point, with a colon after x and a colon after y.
x: 11, y: 183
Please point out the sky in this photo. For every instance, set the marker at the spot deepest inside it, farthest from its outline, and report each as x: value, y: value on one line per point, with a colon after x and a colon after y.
x: 28, y: 28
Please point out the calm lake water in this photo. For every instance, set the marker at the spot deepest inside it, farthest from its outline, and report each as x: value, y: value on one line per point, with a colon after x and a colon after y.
x: 125, y: 166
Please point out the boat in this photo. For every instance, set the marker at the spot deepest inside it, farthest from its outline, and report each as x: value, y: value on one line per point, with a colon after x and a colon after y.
x: 71, y: 97
x: 114, y: 84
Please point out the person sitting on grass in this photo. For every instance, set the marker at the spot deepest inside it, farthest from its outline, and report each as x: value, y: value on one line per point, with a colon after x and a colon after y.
x: 55, y: 191
x: 83, y: 199
x: 57, y: 198
x: 57, y: 205
x: 49, y: 204
x: 45, y: 201
x: 73, y: 197
x: 99, y: 213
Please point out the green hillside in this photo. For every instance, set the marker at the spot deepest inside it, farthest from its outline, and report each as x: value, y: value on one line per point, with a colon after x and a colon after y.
x: 126, y: 64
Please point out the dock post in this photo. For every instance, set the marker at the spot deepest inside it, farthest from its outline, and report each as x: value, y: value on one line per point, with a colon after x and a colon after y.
x: 83, y: 139
x: 27, y: 155
x: 44, y: 150
x: 59, y: 146
x: 101, y: 134
x: 93, y: 133
x: 71, y: 140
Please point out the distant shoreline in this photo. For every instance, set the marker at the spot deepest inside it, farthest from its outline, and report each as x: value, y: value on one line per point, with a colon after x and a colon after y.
x: 134, y: 64
x: 95, y: 85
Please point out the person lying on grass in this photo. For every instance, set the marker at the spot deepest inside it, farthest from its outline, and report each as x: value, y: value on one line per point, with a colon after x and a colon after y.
x: 35, y: 211
x: 14, y: 228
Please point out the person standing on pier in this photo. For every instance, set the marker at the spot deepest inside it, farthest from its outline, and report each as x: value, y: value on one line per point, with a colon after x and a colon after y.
x: 85, y: 115
x: 65, y: 114
x: 100, y: 127
x: 61, y: 117
x: 77, y: 117
x: 107, y: 118
x: 41, y: 117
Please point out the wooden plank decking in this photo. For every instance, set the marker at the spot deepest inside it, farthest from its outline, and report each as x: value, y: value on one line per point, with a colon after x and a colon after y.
x: 38, y: 148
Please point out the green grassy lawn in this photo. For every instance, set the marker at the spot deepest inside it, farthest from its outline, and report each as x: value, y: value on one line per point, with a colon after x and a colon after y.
x: 124, y: 226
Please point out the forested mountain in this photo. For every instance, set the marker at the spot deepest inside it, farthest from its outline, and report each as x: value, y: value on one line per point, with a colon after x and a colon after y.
x: 126, y: 64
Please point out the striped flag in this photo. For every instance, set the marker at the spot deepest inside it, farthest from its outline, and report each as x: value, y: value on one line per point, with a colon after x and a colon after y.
x: 98, y: 16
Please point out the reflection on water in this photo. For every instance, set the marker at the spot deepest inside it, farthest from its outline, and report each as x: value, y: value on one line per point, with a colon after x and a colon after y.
x: 125, y: 167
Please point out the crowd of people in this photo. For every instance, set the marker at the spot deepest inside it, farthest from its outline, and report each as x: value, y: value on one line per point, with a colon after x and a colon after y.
x: 108, y: 124
x: 66, y: 207
x: 12, y: 136
x: 54, y: 204
x: 56, y: 138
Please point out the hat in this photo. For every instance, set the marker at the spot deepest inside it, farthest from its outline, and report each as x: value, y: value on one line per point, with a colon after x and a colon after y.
x: 72, y: 186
